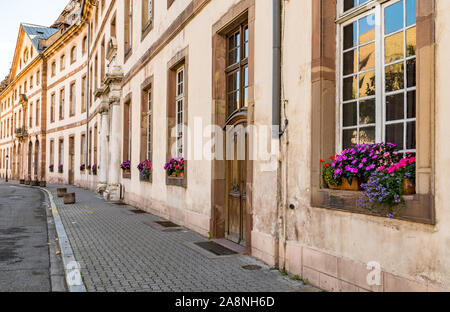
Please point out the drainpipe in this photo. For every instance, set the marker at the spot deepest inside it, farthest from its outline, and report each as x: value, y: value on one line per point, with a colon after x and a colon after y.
x: 276, y: 63
x: 276, y: 102
x: 88, y: 98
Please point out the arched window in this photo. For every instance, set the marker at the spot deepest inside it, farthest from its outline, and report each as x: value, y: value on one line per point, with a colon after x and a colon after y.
x: 73, y: 55
x: 84, y: 48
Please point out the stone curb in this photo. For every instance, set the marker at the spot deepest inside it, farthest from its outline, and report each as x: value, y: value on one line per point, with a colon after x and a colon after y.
x: 71, y: 269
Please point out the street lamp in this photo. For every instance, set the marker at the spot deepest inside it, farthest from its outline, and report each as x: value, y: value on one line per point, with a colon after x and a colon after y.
x: 7, y: 157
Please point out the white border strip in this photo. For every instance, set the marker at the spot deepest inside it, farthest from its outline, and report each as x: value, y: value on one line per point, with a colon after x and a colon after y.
x: 71, y: 267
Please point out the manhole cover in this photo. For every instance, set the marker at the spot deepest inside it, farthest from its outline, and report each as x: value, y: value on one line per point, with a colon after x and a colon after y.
x: 216, y: 249
x: 251, y: 267
x: 136, y: 211
x: 167, y: 224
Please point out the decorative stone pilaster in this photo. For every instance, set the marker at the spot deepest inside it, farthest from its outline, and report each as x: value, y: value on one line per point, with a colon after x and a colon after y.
x: 104, y: 146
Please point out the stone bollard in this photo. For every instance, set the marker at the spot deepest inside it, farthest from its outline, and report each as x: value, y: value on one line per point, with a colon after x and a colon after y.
x: 22, y: 181
x: 27, y: 182
x: 69, y: 198
x: 42, y: 184
x: 34, y: 183
x: 61, y: 192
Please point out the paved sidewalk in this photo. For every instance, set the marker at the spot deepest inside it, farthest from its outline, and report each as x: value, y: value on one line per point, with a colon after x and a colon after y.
x: 122, y: 251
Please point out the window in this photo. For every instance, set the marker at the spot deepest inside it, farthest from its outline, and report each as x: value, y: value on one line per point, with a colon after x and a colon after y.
x: 38, y: 112
x: 113, y: 27
x: 31, y: 82
x: 84, y: 44
x: 83, y: 150
x: 147, y: 13
x: 30, y: 116
x: 62, y: 95
x: 179, y: 100
x: 61, y: 152
x: 52, y: 152
x: 53, y: 69
x: 38, y: 78
x: 52, y: 107
x: 237, y: 70
x: 95, y: 143
x: 72, y: 99
x: 149, y: 123
x: 378, y: 69
x: 127, y: 132
x: 83, y: 94
x: 73, y: 55
x: 128, y: 26
x: 90, y: 147
x: 63, y: 62
x: 25, y: 89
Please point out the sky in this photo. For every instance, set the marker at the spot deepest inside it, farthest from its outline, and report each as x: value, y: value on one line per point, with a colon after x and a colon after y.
x: 14, y: 12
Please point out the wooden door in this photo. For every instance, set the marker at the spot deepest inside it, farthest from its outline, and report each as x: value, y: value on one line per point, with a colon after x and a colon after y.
x: 236, y: 173
x: 71, y: 160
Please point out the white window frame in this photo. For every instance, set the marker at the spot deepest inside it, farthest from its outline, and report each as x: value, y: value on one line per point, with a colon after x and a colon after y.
x: 180, y: 112
x: 345, y: 18
x: 149, y: 123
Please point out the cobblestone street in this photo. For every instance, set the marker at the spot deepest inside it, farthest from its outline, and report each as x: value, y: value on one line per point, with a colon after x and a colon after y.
x: 119, y: 250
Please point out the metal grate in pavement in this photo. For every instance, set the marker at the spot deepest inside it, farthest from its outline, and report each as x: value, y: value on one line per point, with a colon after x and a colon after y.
x: 216, y: 249
x: 136, y: 211
x: 251, y: 267
x: 167, y: 224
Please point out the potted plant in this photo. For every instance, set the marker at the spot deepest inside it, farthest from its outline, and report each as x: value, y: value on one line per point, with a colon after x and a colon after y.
x: 145, y: 169
x: 126, y: 166
x: 355, y: 165
x: 328, y: 175
x: 384, y: 191
x: 175, y: 167
x: 82, y: 167
x: 94, y: 169
x: 51, y: 167
x: 60, y: 168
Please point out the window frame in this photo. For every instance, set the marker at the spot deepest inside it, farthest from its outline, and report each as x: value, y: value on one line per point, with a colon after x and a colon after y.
x: 180, y: 124
x: 356, y: 14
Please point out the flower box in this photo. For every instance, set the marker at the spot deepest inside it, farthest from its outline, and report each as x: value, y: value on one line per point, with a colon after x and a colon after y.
x: 409, y: 187
x: 346, y: 186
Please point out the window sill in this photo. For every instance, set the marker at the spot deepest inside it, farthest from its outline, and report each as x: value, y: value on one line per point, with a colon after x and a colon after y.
x: 126, y: 175
x: 419, y: 208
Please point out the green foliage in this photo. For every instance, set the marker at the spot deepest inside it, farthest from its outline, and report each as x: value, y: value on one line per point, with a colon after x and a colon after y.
x: 328, y: 176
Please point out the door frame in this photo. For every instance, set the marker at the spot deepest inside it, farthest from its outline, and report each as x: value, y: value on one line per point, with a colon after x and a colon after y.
x: 242, y: 10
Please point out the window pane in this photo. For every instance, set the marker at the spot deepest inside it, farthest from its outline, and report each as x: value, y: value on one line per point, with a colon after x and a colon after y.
x: 411, y: 135
x: 410, y: 12
x: 395, y: 107
x: 411, y: 36
x: 350, y: 88
x: 349, y: 62
x: 394, y: 49
x: 367, y: 84
x: 393, y: 15
x: 367, y: 135
x: 394, y: 134
x: 367, y: 112
x: 350, y: 114
x: 367, y: 29
x: 348, y: 4
x: 395, y: 77
x: 412, y: 104
x: 349, y: 138
x: 350, y: 38
x: 411, y: 72
x: 367, y: 57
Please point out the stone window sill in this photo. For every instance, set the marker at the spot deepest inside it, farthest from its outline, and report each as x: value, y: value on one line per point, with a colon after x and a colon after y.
x: 419, y: 208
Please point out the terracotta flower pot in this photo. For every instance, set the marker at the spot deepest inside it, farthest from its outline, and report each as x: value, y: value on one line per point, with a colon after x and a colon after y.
x: 409, y: 187
x: 181, y: 175
x: 345, y: 186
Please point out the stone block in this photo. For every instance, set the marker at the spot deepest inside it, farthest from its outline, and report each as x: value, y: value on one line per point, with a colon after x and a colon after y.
x: 69, y: 198
x: 61, y: 191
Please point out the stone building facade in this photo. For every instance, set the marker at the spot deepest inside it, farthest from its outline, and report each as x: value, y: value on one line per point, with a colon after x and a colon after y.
x: 149, y: 80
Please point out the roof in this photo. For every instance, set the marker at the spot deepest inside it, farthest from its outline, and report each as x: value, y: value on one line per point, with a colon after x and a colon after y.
x: 36, y: 32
